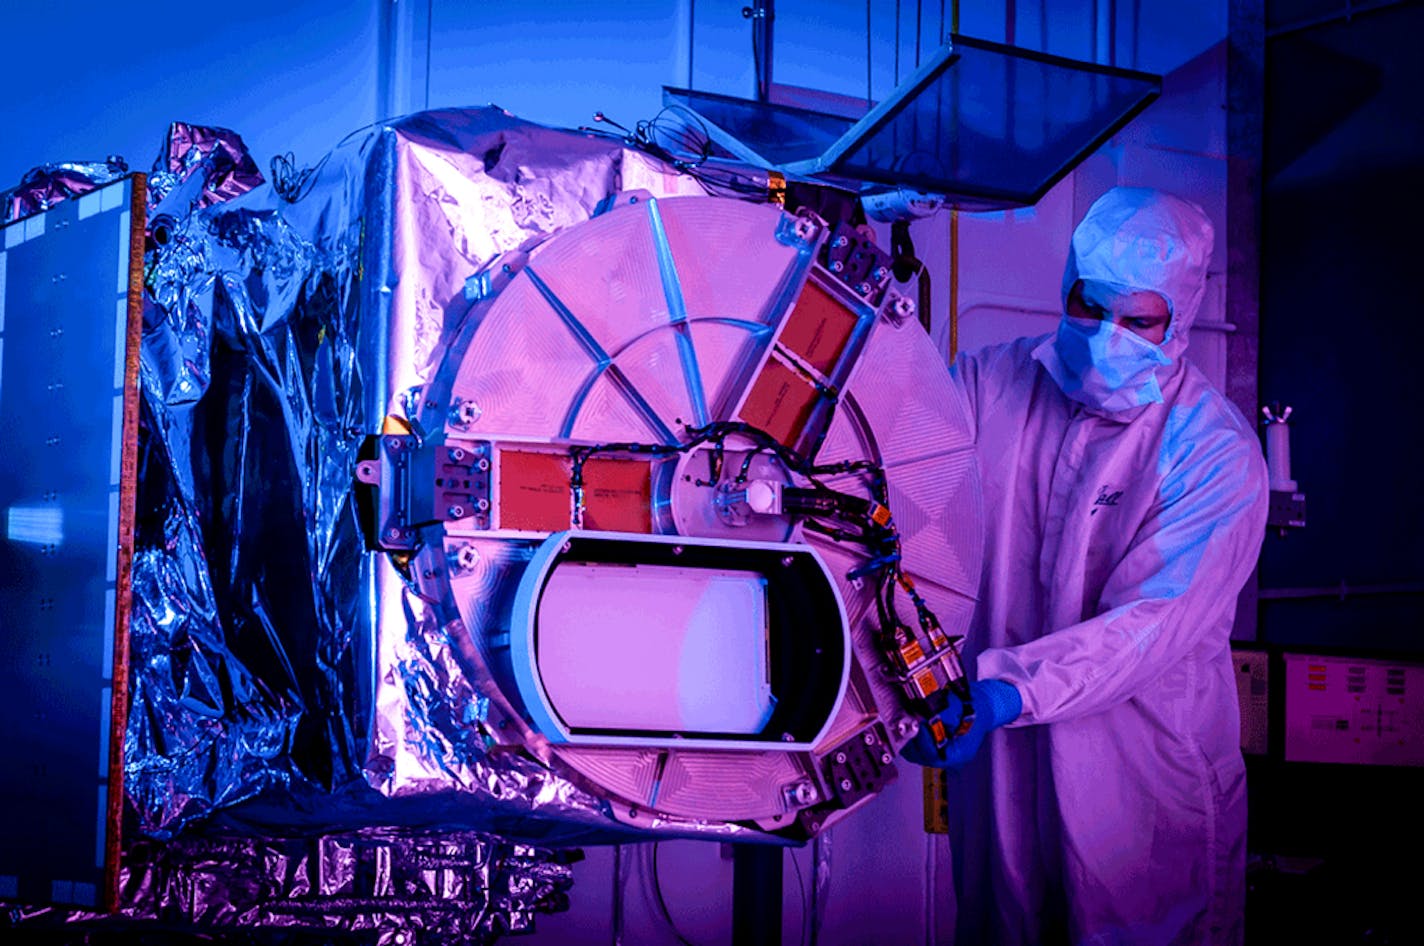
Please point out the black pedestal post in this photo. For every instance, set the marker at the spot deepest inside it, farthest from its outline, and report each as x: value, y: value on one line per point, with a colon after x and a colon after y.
x: 756, y: 895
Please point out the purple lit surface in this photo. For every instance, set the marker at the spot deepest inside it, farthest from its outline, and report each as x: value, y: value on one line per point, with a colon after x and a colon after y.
x: 1351, y: 710
x: 695, y: 660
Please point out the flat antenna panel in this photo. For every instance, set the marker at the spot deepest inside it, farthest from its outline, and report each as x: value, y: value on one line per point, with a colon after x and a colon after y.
x: 984, y: 124
x: 70, y: 321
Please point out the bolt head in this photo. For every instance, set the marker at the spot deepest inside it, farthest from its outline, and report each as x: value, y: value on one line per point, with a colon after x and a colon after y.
x: 465, y: 413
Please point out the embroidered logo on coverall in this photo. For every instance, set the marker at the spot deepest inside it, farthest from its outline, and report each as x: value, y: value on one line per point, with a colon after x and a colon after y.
x: 1107, y: 496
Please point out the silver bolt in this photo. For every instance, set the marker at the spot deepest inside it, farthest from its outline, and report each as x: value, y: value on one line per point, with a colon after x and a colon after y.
x: 868, y: 738
x: 467, y: 557
x: 845, y: 784
x: 786, y: 561
x: 884, y: 758
x: 482, y: 465
x: 456, y: 511
x: 677, y: 550
x: 802, y: 793
x: 840, y: 758
x: 465, y: 413
x: 393, y: 533
x: 482, y: 504
x: 457, y: 454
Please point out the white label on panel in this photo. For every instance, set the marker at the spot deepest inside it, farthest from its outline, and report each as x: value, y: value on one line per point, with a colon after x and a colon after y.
x: 116, y: 454
x: 111, y: 606
x: 35, y: 226
x: 89, y: 204
x: 121, y: 338
x: 3, y: 258
x: 124, y: 252
x: 103, y: 833
x: 14, y: 235
x: 106, y: 703
x: 111, y: 197
x: 111, y: 567
x: 1354, y: 710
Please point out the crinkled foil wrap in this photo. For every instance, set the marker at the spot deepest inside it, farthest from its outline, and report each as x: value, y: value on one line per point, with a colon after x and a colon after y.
x: 457, y: 888
x: 283, y: 677
x: 43, y: 187
x: 215, y: 160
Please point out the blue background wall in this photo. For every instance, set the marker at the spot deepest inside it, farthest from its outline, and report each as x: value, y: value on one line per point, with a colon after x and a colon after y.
x: 1342, y: 306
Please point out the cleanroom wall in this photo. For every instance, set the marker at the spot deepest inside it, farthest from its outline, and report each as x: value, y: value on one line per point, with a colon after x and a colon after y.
x: 106, y: 78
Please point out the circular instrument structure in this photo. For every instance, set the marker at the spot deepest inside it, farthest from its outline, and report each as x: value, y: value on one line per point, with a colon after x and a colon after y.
x: 700, y: 491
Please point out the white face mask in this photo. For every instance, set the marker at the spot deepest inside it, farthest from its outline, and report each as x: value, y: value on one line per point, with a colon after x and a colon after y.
x: 1103, y: 365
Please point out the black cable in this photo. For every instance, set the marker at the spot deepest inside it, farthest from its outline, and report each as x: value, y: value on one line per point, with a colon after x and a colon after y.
x: 897, y: 43
x: 685, y: 146
x: 692, y: 37
x: 429, y: 46
x: 801, y: 889
x: 868, y: 99
x: 662, y: 903
x: 919, y: 32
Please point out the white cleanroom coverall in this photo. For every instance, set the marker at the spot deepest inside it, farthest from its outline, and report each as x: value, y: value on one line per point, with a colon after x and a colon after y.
x: 1113, y: 810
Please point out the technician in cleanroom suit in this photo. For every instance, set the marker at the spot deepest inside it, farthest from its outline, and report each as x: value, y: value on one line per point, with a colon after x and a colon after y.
x: 1125, y: 503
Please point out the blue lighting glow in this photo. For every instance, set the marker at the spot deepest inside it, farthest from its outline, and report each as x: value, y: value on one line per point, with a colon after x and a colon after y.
x: 35, y: 525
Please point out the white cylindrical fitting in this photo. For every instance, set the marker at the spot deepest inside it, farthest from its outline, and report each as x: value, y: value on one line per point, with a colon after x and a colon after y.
x: 1278, y: 457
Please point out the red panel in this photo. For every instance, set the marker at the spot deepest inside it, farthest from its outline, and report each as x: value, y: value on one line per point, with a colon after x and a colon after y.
x: 618, y: 495
x: 534, y: 491
x: 818, y: 328
x: 780, y: 402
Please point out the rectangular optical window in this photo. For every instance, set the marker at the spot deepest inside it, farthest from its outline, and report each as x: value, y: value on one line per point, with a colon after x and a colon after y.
x: 652, y: 648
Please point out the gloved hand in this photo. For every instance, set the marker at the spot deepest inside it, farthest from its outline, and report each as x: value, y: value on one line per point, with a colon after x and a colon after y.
x: 995, y: 704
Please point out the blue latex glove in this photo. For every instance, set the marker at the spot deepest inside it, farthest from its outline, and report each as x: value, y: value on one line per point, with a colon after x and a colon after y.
x: 995, y: 704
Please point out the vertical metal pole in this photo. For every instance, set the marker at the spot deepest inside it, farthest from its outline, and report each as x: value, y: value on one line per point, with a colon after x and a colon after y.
x: 618, y: 886
x: 1245, y: 134
x: 762, y: 13
x: 953, y: 312
x: 756, y: 895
